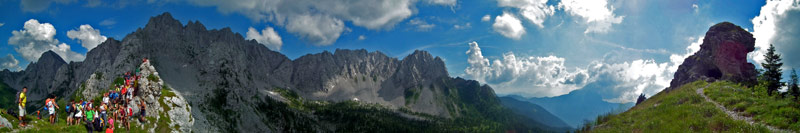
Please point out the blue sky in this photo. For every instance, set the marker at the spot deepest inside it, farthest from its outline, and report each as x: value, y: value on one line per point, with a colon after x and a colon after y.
x: 534, y: 48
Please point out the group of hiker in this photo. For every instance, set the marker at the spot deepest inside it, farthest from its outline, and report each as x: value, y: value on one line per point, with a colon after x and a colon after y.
x: 115, y: 106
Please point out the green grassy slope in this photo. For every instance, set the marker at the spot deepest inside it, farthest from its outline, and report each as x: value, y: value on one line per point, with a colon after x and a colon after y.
x: 680, y: 110
x: 7, y: 96
x: 776, y: 111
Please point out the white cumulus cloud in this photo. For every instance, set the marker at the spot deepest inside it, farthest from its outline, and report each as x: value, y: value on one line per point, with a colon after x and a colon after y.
x: 87, y: 36
x: 536, y: 11
x: 36, y: 38
x: 10, y: 63
x: 528, y: 76
x: 509, y: 26
x: 547, y: 76
x: 774, y: 26
x: 320, y: 22
x: 599, y: 15
x: 268, y: 37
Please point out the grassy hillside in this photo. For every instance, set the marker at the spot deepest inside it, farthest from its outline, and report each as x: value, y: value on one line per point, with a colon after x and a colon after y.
x: 7, y: 96
x: 534, y: 112
x: 680, y: 110
x: 776, y: 111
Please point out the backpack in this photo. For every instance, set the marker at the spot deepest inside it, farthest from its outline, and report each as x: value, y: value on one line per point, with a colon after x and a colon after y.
x: 48, y: 103
x: 17, y: 97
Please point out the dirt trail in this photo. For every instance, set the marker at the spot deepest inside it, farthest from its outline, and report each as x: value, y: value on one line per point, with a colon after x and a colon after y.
x: 737, y: 116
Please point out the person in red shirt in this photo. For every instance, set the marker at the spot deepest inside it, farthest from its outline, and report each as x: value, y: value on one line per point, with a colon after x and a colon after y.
x: 110, y: 128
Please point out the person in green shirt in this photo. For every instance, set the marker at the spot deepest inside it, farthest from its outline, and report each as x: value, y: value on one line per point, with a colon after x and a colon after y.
x: 89, y: 118
x: 22, y: 99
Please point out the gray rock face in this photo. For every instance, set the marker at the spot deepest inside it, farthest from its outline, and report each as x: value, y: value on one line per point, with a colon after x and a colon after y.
x: 5, y: 123
x: 222, y: 76
x: 150, y: 86
x: 180, y: 113
x: 722, y: 56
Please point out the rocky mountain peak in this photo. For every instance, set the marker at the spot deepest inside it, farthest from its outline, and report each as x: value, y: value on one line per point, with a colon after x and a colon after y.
x: 426, y: 64
x: 51, y: 57
x: 164, y: 21
x: 722, y: 56
x: 38, y: 76
x: 195, y: 26
x: 49, y: 61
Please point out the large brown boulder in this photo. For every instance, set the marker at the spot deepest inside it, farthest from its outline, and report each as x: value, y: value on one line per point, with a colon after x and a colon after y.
x: 722, y: 56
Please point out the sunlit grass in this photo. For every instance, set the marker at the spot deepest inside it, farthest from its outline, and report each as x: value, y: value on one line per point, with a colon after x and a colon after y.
x: 680, y: 110
x: 780, y: 112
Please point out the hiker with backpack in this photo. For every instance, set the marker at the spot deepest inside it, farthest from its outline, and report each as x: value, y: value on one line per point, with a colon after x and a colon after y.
x: 89, y: 119
x: 69, y: 111
x: 98, y: 122
x: 21, y: 104
x: 103, y: 114
x: 142, y: 112
x: 125, y: 116
x: 51, y: 105
x: 78, y: 112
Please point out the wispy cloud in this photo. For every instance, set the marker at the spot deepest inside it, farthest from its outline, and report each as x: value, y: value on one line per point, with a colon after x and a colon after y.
x: 421, y: 25
x: 622, y: 47
x: 108, y: 22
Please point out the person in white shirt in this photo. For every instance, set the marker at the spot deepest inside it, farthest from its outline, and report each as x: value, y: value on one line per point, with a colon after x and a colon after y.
x: 106, y: 100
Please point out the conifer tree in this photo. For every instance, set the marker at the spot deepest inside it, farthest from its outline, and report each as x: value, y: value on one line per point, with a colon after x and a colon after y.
x: 793, y: 88
x: 772, y: 70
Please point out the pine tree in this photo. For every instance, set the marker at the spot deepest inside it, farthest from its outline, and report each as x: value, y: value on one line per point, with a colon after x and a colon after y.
x: 640, y: 99
x: 772, y: 70
x: 793, y: 87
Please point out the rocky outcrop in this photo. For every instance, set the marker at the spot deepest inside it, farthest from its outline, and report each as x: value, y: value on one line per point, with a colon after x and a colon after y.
x: 150, y: 85
x: 4, y: 123
x: 170, y: 106
x: 722, y: 56
x: 179, y: 113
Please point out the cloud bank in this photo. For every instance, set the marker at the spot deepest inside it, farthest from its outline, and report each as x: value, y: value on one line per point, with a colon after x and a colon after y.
x: 547, y: 76
x: 778, y: 23
x: 598, y: 15
x: 322, y: 22
x: 36, y: 38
